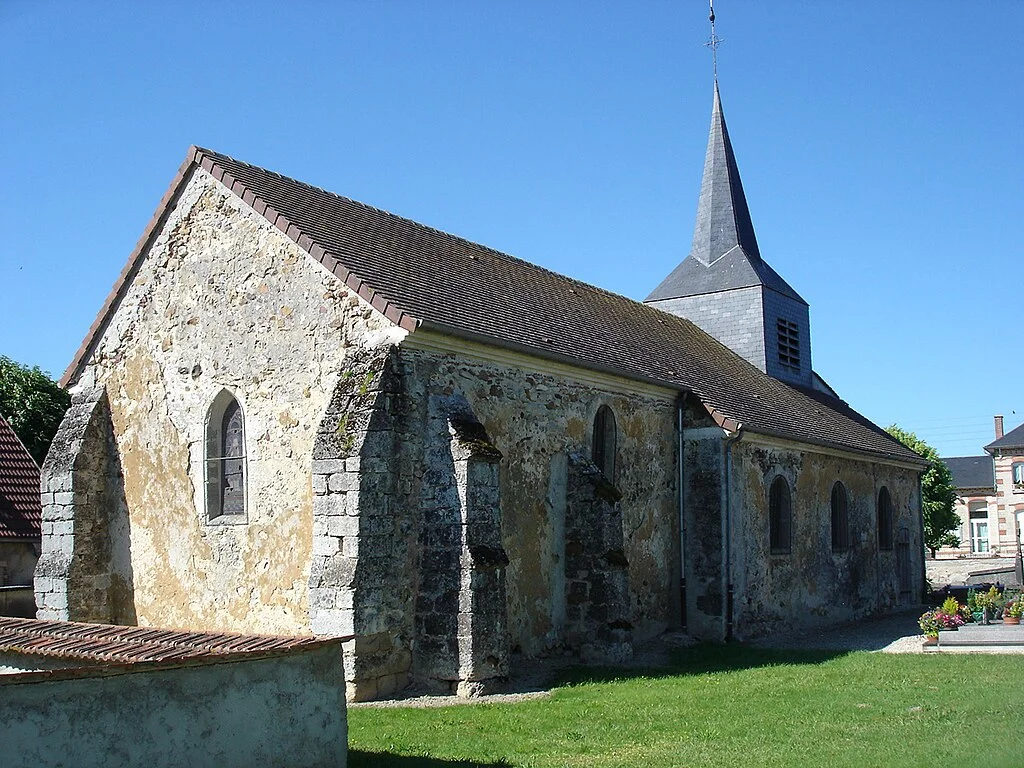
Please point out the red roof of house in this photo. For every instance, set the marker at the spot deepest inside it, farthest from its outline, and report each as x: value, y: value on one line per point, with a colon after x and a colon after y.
x: 20, y: 510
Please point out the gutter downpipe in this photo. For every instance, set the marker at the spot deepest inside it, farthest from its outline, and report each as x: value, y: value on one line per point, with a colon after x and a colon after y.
x: 727, y: 547
x: 923, y: 597
x: 681, y: 493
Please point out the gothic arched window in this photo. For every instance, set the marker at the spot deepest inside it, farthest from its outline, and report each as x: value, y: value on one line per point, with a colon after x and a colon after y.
x: 840, y: 518
x: 884, y: 519
x: 225, y: 459
x: 780, y: 516
x: 604, y: 442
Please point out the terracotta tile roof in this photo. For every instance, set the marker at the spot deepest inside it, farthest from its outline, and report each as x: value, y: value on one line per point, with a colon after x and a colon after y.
x: 20, y: 510
x: 116, y: 644
x: 422, y: 277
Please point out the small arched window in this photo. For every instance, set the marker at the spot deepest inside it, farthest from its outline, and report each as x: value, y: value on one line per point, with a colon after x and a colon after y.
x: 604, y: 442
x: 840, y: 518
x: 780, y: 517
x: 225, y: 459
x: 1018, y: 475
x: 884, y: 519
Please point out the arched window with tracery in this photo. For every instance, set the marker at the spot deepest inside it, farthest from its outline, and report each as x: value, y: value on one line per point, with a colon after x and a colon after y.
x: 780, y: 517
x: 604, y: 445
x: 840, y: 518
x: 225, y: 459
x: 884, y: 519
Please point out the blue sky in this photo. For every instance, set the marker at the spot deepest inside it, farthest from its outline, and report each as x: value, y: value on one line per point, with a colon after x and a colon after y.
x: 879, y: 145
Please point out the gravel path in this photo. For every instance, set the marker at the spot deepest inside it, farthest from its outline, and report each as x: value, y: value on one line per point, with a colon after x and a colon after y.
x: 898, y: 633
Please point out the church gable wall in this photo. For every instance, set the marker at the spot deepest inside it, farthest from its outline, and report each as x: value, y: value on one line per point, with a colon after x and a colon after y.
x: 542, y: 425
x: 223, y: 301
x: 812, y: 584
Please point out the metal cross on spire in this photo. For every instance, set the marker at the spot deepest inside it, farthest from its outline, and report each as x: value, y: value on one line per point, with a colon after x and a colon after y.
x: 714, y: 40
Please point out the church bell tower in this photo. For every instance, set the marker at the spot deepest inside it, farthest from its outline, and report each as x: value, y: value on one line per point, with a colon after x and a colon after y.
x: 724, y: 286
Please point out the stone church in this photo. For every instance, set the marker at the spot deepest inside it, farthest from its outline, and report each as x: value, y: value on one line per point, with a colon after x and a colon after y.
x: 300, y: 414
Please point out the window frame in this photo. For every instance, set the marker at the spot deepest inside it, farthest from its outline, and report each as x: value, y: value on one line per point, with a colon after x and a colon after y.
x: 839, y: 505
x: 978, y: 528
x: 780, y: 517
x: 884, y: 520
x: 1017, y: 475
x: 215, y: 461
x: 605, y: 441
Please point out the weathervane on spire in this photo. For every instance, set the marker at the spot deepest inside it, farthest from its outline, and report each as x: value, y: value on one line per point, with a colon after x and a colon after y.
x: 713, y: 41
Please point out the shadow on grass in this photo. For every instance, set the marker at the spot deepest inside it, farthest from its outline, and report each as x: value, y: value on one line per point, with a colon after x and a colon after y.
x: 701, y: 660
x: 357, y: 758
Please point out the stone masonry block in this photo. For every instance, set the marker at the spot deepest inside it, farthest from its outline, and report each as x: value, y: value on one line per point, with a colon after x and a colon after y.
x: 342, y: 481
x: 328, y: 466
x: 333, y: 623
x: 326, y: 545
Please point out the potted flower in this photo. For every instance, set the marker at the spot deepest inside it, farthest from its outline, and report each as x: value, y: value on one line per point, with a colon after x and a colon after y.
x: 948, y: 615
x: 930, y: 625
x: 972, y: 608
x: 1014, y: 610
x: 989, y: 602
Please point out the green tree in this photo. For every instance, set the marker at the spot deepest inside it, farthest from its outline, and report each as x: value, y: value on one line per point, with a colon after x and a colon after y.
x: 33, y: 404
x: 937, y: 494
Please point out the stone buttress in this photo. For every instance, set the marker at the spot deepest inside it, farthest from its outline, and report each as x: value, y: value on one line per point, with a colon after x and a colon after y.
x: 598, y: 611
x: 461, y: 615
x: 84, y: 572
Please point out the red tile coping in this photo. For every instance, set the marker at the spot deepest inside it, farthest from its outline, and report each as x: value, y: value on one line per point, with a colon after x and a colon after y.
x: 117, y: 644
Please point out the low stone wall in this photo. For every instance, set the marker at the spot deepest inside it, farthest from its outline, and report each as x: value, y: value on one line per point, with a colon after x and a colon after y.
x: 272, y: 710
x: 956, y: 570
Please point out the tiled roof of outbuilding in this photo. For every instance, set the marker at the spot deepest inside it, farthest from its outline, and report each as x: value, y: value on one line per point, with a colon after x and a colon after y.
x: 972, y: 471
x: 422, y: 277
x: 116, y: 644
x: 20, y: 508
x: 1012, y: 439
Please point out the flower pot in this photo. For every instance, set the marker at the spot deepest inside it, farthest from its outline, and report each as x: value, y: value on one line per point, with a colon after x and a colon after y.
x: 930, y: 641
x: 1011, y: 619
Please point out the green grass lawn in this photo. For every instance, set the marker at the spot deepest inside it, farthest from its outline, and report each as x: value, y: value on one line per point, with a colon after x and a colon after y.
x: 729, y: 706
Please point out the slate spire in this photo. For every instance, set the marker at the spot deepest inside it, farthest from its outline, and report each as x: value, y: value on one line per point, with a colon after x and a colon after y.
x: 724, y: 254
x: 723, y: 219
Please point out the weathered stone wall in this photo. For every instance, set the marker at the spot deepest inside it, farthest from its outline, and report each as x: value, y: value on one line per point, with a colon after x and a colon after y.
x: 362, y: 574
x: 704, y: 520
x: 84, y: 571
x: 223, y: 300
x: 598, y: 612
x: 813, y: 584
x: 539, y: 420
x: 461, y: 625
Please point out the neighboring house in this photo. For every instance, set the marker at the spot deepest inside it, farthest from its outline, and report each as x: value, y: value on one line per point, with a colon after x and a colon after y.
x: 300, y: 414
x: 990, y: 496
x: 83, y: 695
x: 20, y: 516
